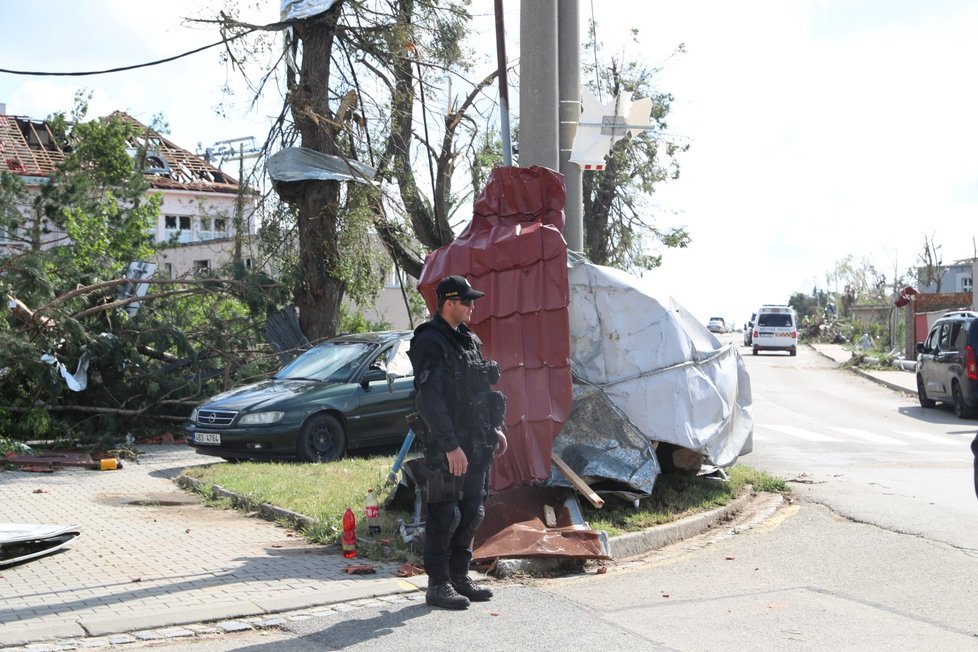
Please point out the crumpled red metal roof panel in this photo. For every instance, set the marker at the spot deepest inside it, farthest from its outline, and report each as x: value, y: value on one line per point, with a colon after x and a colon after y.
x: 514, y: 527
x: 513, y: 251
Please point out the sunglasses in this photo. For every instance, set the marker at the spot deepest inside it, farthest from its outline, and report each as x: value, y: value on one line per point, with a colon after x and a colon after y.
x: 465, y: 302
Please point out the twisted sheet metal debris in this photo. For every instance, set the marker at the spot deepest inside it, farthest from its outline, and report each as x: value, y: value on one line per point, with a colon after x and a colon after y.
x: 302, y: 164
x: 20, y: 542
x: 672, y: 378
x: 605, y: 449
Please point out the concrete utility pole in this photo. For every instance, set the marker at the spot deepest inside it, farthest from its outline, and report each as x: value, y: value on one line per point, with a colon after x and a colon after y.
x: 569, y: 75
x: 538, y: 84
x: 550, y: 98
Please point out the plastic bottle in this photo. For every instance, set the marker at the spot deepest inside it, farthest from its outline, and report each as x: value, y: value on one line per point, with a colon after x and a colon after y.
x: 349, y: 534
x: 372, y: 512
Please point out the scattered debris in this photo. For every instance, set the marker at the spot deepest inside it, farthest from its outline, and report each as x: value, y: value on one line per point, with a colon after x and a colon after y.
x: 50, y: 461
x: 21, y: 542
x: 409, y: 570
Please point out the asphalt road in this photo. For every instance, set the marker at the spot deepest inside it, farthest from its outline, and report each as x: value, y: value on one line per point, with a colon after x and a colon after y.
x: 869, y: 453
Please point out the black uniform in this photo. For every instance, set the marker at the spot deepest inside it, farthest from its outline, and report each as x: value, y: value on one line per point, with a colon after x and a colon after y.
x: 459, y: 408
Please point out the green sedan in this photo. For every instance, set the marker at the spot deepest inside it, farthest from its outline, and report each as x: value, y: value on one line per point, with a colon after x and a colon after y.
x: 349, y: 392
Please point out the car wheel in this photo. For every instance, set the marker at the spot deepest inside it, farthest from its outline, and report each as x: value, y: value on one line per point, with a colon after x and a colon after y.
x: 961, y: 409
x: 754, y: 351
x: 321, y: 439
x: 792, y: 351
x: 922, y: 395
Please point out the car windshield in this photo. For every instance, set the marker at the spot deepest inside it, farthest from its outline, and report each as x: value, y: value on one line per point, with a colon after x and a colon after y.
x: 331, y: 362
x: 774, y: 319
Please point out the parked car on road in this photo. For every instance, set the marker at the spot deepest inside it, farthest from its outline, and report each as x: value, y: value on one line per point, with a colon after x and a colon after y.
x: 947, y: 370
x: 348, y: 392
x: 749, y: 330
x: 775, y: 330
x: 716, y: 325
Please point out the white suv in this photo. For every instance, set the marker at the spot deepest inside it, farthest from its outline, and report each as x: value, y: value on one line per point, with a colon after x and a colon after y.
x: 775, y: 330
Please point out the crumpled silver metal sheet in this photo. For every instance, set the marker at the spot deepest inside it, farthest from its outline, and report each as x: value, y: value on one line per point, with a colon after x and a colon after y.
x: 302, y: 164
x: 605, y: 449
x: 672, y: 378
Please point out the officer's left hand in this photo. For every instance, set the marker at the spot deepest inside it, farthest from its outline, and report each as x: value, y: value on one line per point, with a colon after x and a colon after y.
x: 501, y: 443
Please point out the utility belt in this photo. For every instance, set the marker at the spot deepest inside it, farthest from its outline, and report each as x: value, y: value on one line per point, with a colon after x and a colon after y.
x: 441, y: 485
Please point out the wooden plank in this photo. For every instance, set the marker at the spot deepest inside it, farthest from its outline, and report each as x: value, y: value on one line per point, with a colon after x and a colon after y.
x: 577, y: 481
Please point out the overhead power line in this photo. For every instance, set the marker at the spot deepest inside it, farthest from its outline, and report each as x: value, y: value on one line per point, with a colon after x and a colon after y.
x: 123, y: 68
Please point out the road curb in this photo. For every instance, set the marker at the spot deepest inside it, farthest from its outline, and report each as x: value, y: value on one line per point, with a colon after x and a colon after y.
x: 866, y: 375
x: 635, y: 544
x: 884, y: 383
x: 639, y: 543
x: 268, y: 512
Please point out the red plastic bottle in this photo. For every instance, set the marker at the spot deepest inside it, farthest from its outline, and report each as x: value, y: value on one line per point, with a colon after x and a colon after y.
x: 349, y: 534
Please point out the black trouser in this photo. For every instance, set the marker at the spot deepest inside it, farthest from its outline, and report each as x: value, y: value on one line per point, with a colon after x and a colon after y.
x: 450, y: 526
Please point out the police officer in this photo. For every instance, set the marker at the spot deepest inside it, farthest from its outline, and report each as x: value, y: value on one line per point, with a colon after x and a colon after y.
x: 463, y: 416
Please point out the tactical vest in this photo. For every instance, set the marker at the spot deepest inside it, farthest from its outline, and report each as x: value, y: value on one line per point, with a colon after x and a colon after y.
x: 467, y: 387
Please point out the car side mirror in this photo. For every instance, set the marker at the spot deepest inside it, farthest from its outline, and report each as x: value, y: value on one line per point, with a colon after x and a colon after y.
x: 920, y: 347
x: 372, y: 375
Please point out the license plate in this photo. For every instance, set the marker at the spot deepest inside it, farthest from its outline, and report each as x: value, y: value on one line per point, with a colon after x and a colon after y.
x: 207, y: 438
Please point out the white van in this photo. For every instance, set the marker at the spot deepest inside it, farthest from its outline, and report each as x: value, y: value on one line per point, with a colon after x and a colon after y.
x: 775, y: 330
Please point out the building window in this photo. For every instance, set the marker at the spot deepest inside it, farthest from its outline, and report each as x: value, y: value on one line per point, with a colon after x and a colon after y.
x: 168, y: 270
x: 965, y: 282
x: 201, y: 266
x: 220, y: 224
x: 174, y: 222
x: 247, y: 263
x: 210, y: 228
x: 177, y: 226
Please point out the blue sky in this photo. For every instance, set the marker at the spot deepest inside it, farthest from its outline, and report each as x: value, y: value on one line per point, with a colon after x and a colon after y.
x: 819, y: 128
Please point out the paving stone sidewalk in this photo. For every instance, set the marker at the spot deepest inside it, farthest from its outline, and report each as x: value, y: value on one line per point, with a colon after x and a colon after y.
x: 151, y: 555
x: 895, y: 379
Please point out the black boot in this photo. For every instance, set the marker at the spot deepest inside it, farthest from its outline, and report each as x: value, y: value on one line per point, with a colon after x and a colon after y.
x: 444, y: 596
x: 466, y: 587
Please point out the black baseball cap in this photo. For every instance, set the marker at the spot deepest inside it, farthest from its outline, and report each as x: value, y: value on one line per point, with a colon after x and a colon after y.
x: 456, y: 287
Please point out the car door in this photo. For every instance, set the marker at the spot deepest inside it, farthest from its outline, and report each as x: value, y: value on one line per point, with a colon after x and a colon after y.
x: 943, y: 359
x: 386, y: 396
x: 929, y: 368
x: 954, y: 357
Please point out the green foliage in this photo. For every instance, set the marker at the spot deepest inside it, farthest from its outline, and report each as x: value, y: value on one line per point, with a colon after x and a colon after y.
x: 810, y: 306
x: 677, y: 495
x: 319, y: 491
x: 8, y: 445
x: 861, y: 280
x: 146, y: 371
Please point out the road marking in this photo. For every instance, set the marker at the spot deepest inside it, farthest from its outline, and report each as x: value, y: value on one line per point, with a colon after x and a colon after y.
x: 869, y: 436
x: 780, y: 517
x: 929, y: 438
x: 801, y: 433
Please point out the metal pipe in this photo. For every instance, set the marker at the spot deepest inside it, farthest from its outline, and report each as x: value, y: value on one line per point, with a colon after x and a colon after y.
x: 503, y: 85
x: 401, y: 454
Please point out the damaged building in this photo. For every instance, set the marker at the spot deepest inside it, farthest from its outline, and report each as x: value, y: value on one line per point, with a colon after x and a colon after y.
x: 198, y: 213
